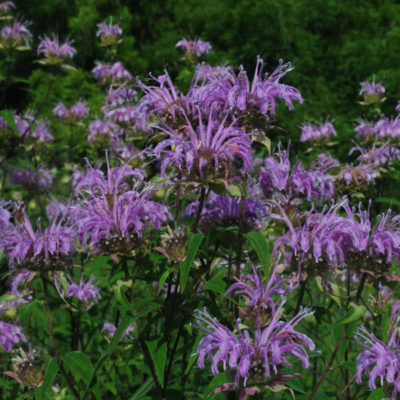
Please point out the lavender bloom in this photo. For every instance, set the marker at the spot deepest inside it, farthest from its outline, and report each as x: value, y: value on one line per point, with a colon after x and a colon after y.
x: 359, y: 175
x: 323, y: 237
x: 33, y: 249
x: 114, y: 72
x: 378, y: 360
x: 384, y: 128
x: 163, y: 100
x: 208, y: 73
x: 194, y: 47
x: 111, y: 328
x: 398, y: 107
x: 30, y: 179
x: 83, y: 291
x: 377, y: 155
x: 224, y: 211
x: 373, y: 92
x: 5, y: 6
x: 102, y: 129
x: 257, y: 359
x: 119, y: 96
x: 114, y: 213
x: 109, y: 33
x: 53, y: 51
x: 310, y: 132
x: 40, y: 132
x: 314, y: 183
x: 264, y: 92
x: 13, y: 35
x: 77, y: 112
x: 258, y: 296
x: 5, y: 216
x: 10, y: 335
x: 205, y: 152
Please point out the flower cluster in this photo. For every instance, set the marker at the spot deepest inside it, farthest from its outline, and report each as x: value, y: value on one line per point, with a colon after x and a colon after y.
x: 194, y: 47
x: 73, y: 114
x: 55, y: 52
x: 255, y: 359
x: 310, y: 132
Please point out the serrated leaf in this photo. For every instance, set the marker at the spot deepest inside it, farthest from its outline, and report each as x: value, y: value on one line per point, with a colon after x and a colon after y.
x: 377, y: 395
x: 184, y: 268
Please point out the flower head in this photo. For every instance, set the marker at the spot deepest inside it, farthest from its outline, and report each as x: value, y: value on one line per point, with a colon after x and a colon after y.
x: 10, y: 335
x: 83, y: 291
x: 77, y: 112
x: 194, y: 47
x: 15, y: 34
x: 205, y: 151
x: 34, y: 181
x: 53, y: 51
x: 109, y: 33
x: 310, y: 132
x: 378, y: 360
x: 372, y: 92
x: 115, y: 209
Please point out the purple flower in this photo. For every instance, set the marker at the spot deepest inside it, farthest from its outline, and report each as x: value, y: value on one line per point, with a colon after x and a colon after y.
x: 224, y: 211
x: 34, y: 181
x: 27, y: 126
x: 377, y: 155
x: 77, y: 112
x: 163, y: 100
x: 207, y: 151
x: 314, y: 183
x: 10, y: 335
x: 378, y: 360
x: 111, y: 328
x: 383, y: 128
x: 83, y: 291
x: 103, y: 129
x: 109, y: 33
x: 261, y: 354
x: 114, y: 72
x: 310, y: 132
x: 208, y: 73
x: 5, y: 216
x: 194, y: 47
x: 13, y: 35
x: 398, y: 106
x: 5, y: 6
x: 264, y: 92
x: 53, y: 51
x: 358, y: 175
x: 258, y: 296
x: 40, y: 247
x: 115, y: 210
x: 373, y: 92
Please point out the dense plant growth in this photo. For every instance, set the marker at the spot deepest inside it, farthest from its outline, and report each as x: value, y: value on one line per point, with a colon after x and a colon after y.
x: 159, y: 242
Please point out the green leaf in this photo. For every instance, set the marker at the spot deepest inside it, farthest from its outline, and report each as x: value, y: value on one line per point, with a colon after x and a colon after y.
x: 163, y: 278
x: 262, y: 248
x: 143, y: 390
x: 353, y: 315
x: 377, y: 395
x: 216, y: 285
x: 8, y: 116
x: 193, y: 356
x: 194, y: 244
x: 127, y: 320
x: 42, y: 392
x: 158, y: 354
x: 79, y: 364
x: 119, y: 289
